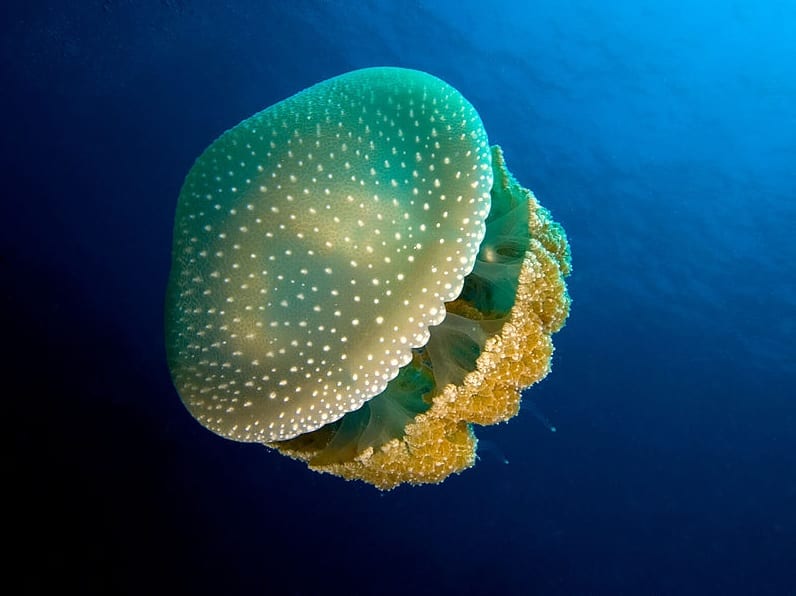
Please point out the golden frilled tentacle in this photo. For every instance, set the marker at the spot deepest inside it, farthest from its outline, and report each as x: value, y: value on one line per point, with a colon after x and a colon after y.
x: 440, y: 441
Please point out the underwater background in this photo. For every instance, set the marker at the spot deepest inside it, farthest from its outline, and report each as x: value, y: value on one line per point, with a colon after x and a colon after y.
x: 662, y: 136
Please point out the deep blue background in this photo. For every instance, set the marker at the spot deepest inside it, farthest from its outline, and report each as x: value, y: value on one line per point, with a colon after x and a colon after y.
x: 661, y: 135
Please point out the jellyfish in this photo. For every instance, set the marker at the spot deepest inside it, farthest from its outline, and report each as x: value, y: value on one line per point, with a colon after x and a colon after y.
x: 357, y: 280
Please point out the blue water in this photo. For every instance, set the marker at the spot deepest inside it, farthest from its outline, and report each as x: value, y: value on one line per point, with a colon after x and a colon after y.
x: 663, y: 138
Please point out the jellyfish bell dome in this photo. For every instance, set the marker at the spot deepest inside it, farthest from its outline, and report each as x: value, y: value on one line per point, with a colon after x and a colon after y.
x: 318, y: 242
x: 345, y: 263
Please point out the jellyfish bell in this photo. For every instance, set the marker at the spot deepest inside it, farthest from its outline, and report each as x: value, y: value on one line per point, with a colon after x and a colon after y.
x: 318, y: 242
x: 357, y: 279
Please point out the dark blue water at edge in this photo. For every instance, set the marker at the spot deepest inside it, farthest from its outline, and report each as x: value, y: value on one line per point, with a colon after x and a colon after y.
x: 662, y: 138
